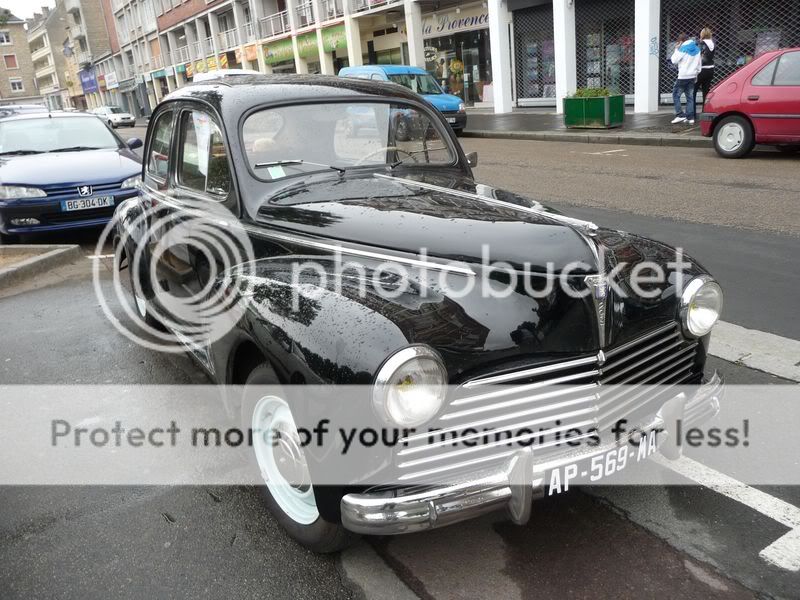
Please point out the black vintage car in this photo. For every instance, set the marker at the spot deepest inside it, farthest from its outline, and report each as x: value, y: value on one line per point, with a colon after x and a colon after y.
x: 307, y: 168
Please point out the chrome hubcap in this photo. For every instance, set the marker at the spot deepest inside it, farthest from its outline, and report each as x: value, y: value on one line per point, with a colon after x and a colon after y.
x: 281, y: 460
x: 731, y: 137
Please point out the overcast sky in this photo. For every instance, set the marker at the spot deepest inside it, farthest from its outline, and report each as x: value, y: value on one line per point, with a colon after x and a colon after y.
x: 25, y: 8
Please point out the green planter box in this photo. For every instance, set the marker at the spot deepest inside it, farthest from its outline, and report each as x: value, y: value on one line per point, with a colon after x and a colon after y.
x: 602, y: 112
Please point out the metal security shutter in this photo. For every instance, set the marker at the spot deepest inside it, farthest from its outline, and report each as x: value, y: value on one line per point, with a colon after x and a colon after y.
x: 534, y: 54
x: 742, y: 30
x: 605, y: 44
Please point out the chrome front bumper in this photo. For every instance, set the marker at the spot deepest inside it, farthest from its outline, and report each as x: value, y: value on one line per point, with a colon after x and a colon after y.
x: 512, y: 485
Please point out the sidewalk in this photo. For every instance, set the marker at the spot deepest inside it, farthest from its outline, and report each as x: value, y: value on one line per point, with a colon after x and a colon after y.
x: 543, y: 124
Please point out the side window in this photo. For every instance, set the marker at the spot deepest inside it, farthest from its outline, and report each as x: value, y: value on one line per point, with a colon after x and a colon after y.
x: 203, y: 163
x: 788, y: 71
x: 158, y: 153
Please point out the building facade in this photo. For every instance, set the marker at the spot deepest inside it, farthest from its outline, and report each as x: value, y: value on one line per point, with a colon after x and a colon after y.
x: 86, y: 41
x: 494, y: 53
x: 46, y: 38
x: 17, y: 85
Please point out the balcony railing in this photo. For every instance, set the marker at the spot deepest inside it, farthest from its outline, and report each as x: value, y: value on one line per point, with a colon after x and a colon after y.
x: 40, y: 53
x: 209, y: 45
x: 359, y: 5
x: 331, y: 9
x: 77, y: 32
x: 275, y: 24
x: 157, y: 62
x: 197, y: 50
x: 83, y: 58
x: 305, y: 14
x: 181, y: 55
x: 228, y: 39
x: 249, y: 32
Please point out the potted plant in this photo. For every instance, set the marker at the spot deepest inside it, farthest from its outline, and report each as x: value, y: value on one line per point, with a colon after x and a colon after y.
x: 594, y: 108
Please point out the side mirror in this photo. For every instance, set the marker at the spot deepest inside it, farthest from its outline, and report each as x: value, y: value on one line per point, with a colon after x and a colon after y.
x: 134, y: 143
x: 472, y: 159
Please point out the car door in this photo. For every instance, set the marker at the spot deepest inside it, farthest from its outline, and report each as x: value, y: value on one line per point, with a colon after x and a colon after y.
x: 772, y: 99
x: 201, y: 238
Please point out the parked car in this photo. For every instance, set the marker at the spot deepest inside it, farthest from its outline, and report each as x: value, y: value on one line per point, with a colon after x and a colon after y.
x: 220, y: 73
x: 21, y: 109
x: 62, y: 171
x: 419, y: 81
x: 276, y: 153
x: 758, y: 104
x: 115, y: 116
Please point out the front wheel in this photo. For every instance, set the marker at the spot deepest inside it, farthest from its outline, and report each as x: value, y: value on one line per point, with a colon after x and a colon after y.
x: 280, y: 459
x: 734, y: 137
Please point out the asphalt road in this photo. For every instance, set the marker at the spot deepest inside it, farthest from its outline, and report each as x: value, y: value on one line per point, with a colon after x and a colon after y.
x: 209, y: 542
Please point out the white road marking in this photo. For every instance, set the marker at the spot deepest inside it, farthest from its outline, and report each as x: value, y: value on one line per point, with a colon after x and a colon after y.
x: 757, y: 350
x: 99, y: 256
x: 605, y: 152
x: 783, y: 552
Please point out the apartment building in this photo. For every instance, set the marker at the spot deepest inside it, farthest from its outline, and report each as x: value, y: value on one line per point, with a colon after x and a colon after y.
x: 17, y: 77
x: 46, y: 40
x: 87, y: 39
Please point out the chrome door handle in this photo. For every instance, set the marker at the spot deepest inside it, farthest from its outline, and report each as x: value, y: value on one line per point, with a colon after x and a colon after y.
x: 753, y: 98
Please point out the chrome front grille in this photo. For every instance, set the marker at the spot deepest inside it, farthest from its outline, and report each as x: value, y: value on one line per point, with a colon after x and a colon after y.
x: 490, y: 418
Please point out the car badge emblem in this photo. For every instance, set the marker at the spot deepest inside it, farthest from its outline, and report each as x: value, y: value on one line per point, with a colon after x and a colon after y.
x: 598, y: 285
x: 85, y: 190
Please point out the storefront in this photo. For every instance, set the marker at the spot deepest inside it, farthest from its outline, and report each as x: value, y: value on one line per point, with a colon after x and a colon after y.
x: 279, y: 56
x: 604, y: 45
x: 534, y: 55
x: 742, y: 30
x: 457, y: 52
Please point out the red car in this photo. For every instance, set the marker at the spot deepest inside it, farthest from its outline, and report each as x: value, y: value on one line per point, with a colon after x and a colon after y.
x: 758, y: 104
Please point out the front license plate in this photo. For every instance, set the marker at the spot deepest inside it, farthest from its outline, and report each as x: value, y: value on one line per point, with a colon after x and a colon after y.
x: 87, y: 203
x: 600, y: 466
x: 451, y: 119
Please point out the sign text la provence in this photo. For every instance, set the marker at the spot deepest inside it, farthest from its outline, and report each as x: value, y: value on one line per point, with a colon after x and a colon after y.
x: 454, y: 22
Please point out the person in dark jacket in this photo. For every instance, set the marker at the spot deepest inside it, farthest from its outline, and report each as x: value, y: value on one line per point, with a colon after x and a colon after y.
x: 706, y: 76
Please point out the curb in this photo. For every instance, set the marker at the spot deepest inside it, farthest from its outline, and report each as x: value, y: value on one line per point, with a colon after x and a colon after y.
x: 51, y: 256
x: 629, y: 139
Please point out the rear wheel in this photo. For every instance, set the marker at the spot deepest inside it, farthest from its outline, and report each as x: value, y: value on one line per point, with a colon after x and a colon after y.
x: 280, y: 459
x: 142, y: 303
x: 733, y: 137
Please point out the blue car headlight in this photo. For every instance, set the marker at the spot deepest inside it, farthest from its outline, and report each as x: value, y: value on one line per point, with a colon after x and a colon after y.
x: 462, y: 107
x: 132, y: 182
x: 9, y: 192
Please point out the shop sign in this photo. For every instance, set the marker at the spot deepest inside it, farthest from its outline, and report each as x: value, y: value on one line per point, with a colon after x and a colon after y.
x: 307, y: 45
x: 111, y: 80
x: 223, y: 61
x: 211, y: 63
x: 147, y: 76
x: 450, y: 22
x: 279, y: 51
x: 160, y: 74
x: 189, y: 69
x: 169, y: 71
x: 182, y: 68
x: 101, y: 81
x: 127, y: 86
x: 334, y: 38
x: 200, y: 66
x: 251, y: 52
x: 239, y: 55
x: 88, y: 81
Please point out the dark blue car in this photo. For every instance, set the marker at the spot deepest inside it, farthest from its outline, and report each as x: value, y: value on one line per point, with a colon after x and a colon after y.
x: 62, y: 171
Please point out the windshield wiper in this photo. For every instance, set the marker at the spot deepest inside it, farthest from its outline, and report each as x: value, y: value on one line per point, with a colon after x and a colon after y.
x: 411, y: 153
x: 295, y: 161
x: 77, y: 148
x: 20, y: 152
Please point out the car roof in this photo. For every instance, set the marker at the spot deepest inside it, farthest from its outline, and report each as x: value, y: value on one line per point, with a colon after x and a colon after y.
x: 388, y: 69
x: 244, y: 90
x: 45, y: 115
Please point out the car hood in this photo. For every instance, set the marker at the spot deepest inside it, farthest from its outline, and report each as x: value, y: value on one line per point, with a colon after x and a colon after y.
x: 120, y: 116
x: 65, y: 168
x: 438, y: 216
x: 444, y: 102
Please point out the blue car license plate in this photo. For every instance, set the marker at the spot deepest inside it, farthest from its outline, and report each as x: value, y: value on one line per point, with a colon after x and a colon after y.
x: 87, y: 203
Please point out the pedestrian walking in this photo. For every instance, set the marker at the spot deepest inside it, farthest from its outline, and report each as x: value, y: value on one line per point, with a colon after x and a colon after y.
x: 706, y: 76
x: 687, y: 58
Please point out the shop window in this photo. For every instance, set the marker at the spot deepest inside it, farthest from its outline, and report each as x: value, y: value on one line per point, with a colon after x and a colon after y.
x: 535, y: 52
x: 788, y: 71
x: 11, y: 61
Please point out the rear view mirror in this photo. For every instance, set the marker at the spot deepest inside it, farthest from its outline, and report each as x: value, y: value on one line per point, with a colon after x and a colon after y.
x: 134, y: 143
x: 472, y: 159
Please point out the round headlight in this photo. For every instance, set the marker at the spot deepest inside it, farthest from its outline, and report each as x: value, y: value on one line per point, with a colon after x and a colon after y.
x: 701, y: 306
x: 410, y: 387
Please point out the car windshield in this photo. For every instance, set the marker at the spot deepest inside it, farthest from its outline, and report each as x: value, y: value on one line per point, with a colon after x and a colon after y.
x: 114, y: 109
x: 49, y: 134
x: 291, y: 140
x: 421, y: 84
